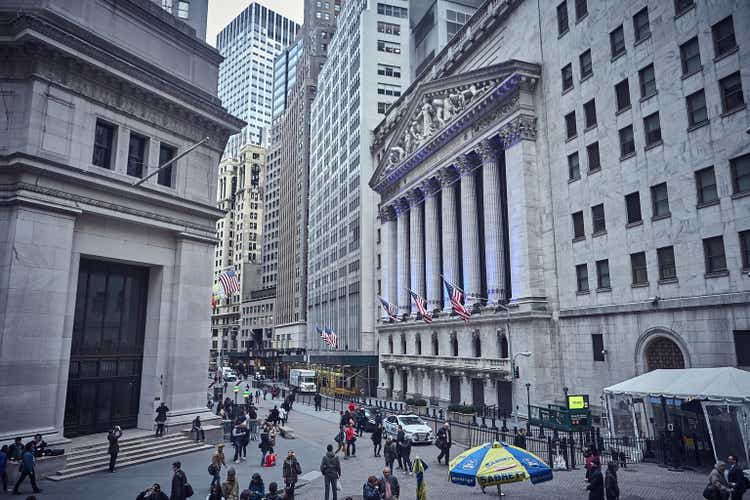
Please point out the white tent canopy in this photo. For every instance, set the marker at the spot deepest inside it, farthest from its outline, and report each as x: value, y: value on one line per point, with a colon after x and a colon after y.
x: 726, y: 384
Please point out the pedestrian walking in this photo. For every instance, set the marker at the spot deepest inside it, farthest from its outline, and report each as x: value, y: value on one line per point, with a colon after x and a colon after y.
x: 377, y: 439
x: 265, y: 445
x: 161, y: 418
x: 197, y: 428
x: 217, y: 462
x: 291, y: 470
x: 28, y: 463
x: 215, y: 493
x: 236, y: 439
x: 15, y: 451
x: 443, y: 442
x: 406, y: 455
x: 611, y: 488
x: 596, y: 481
x: 230, y: 488
x: 352, y: 407
x: 361, y: 421
x: 318, y: 399
x: 351, y: 441
x: 400, y: 438
x: 736, y: 478
x: 283, y: 415
x: 4, y: 467
x: 389, y: 489
x: 340, y: 438
x: 114, y: 446
x: 256, y: 490
x: 344, y: 418
x: 390, y: 452
x: 153, y: 493
x: 181, y: 489
x: 330, y: 467
x: 371, y: 489
x: 519, y: 441
x: 717, y: 483
x: 252, y: 423
x: 591, y: 456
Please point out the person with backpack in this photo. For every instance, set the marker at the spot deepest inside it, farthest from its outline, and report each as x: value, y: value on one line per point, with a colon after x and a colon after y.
x: 217, y: 461
x: 330, y: 467
x: 291, y: 471
x: 181, y: 489
x: 340, y: 439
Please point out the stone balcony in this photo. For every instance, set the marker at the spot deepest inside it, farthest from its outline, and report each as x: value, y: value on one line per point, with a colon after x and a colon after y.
x: 453, y: 364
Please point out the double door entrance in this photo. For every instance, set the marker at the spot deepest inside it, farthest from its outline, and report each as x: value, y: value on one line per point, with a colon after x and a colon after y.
x: 106, y: 355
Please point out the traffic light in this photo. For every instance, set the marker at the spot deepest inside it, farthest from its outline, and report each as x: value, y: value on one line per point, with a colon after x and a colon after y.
x: 516, y: 373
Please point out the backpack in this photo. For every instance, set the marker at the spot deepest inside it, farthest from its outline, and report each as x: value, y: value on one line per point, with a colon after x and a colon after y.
x: 188, y: 490
x: 212, y: 469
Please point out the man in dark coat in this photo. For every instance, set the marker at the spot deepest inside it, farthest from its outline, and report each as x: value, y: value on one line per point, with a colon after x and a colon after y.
x: 153, y: 493
x: 161, y: 418
x: 400, y: 438
x: 443, y: 442
x: 318, y: 399
x: 520, y: 440
x: 736, y: 477
x: 179, y: 483
x: 330, y: 467
x: 114, y: 446
x: 596, y: 481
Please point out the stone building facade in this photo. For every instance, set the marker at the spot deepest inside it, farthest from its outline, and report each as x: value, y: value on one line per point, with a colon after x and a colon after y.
x: 581, y: 172
x: 103, y: 284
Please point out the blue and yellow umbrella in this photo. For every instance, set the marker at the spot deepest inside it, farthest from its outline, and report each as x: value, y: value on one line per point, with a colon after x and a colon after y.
x: 497, y: 463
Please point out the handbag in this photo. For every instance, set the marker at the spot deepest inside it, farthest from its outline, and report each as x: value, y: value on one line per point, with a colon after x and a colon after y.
x: 708, y: 491
x: 212, y: 469
x: 188, y: 490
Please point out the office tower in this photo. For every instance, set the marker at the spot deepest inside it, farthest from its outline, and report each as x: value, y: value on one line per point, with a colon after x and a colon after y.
x: 194, y: 13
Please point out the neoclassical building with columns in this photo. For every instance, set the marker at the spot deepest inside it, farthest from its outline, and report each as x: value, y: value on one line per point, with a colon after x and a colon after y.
x: 548, y: 163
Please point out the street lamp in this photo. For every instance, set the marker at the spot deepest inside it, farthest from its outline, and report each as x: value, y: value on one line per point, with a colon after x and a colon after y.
x: 528, y: 406
x: 525, y: 354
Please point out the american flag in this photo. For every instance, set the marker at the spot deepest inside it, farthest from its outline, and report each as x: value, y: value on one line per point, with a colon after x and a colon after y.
x: 390, y: 310
x: 421, y: 307
x: 328, y: 336
x: 457, y: 298
x: 229, y: 282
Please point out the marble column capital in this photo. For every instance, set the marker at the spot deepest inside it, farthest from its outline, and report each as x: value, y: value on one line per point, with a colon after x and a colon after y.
x: 521, y: 128
x: 430, y: 186
x: 415, y: 196
x: 487, y: 150
x: 446, y: 176
x: 401, y: 206
x: 464, y: 165
x: 387, y: 213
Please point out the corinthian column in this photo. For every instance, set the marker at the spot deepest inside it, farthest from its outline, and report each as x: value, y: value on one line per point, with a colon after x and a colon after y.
x: 402, y: 242
x: 416, y: 242
x: 493, y: 223
x: 388, y: 254
x: 469, y: 230
x: 430, y: 188
x: 450, y: 229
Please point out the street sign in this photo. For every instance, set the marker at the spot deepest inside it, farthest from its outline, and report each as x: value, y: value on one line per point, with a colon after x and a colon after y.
x: 578, y: 402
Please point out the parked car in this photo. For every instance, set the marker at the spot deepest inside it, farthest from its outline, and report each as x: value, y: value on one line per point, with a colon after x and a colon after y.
x: 414, y: 427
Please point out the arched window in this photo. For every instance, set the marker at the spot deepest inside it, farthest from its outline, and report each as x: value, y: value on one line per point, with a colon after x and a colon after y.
x: 418, y: 344
x: 390, y: 344
x: 503, y: 344
x: 435, y: 345
x: 476, y: 342
x: 403, y: 344
x: 662, y: 352
x: 454, y: 345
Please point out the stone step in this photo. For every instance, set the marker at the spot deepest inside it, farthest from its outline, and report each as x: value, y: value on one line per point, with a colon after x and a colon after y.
x: 129, y: 452
x: 135, y: 443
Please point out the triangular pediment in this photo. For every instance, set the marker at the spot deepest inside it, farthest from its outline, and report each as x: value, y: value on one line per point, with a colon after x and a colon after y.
x: 436, y: 107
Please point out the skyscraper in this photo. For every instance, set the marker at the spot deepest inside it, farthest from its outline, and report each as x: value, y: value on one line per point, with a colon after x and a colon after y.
x: 194, y: 13
x: 250, y: 44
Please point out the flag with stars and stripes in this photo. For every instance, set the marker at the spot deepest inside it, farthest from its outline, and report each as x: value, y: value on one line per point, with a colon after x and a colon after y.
x: 457, y: 300
x: 421, y: 307
x: 390, y: 309
x: 229, y: 282
x: 331, y: 338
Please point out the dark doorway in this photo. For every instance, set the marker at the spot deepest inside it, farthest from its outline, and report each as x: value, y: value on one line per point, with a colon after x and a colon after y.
x: 404, y: 383
x: 455, y: 390
x: 104, y: 382
x: 504, y: 398
x: 477, y: 393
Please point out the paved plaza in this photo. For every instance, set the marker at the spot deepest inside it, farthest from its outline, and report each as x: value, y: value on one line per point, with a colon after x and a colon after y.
x: 316, y: 429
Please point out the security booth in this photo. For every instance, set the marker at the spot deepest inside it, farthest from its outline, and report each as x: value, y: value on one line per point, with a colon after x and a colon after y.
x: 691, y: 416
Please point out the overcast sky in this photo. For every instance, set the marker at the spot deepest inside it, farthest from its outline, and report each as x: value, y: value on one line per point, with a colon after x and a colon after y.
x: 221, y: 13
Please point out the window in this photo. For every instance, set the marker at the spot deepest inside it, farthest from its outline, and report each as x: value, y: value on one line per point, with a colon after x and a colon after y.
x: 570, y: 125
x: 597, y: 344
x: 391, y: 10
x: 667, y: 270
x: 740, y: 168
x: 638, y: 268
x: 648, y: 81
x: 455, y: 21
x: 652, y: 129
x: 622, y: 95
x: 390, y: 47
x: 136, y: 155
x: 388, y: 70
x: 383, y: 107
x: 574, y: 169
x: 578, y: 229
x: 681, y: 6
x: 713, y: 251
x: 582, y: 278
x: 562, y: 18
x: 633, y: 207
x: 582, y: 9
x: 597, y: 219
x: 742, y: 347
x: 183, y: 9
x: 731, y: 93
x: 592, y: 151
x: 585, y: 61
x: 392, y: 90
x: 696, y: 109
x: 660, y: 200
x: 567, y: 77
x: 641, y: 29
x: 589, y: 113
x: 166, y: 5
x: 627, y: 144
x: 104, y: 137
x: 602, y: 274
x: 617, y: 42
x: 389, y: 28
x: 690, y: 56
x: 745, y: 248
x: 705, y: 184
x: 724, y: 41
x: 166, y: 153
